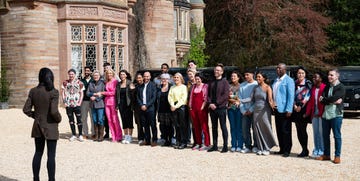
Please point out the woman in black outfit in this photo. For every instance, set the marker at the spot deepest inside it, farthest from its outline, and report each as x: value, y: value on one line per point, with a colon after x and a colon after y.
x: 44, y: 98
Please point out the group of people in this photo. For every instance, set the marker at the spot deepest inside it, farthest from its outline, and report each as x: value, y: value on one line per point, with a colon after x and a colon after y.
x: 182, y: 108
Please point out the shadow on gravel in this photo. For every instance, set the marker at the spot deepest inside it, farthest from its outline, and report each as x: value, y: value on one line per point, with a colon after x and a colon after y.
x: 3, y: 178
x: 66, y: 135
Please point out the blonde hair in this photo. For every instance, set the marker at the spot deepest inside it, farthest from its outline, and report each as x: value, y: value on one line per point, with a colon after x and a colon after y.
x: 106, y: 74
x: 191, y: 70
x: 180, y: 76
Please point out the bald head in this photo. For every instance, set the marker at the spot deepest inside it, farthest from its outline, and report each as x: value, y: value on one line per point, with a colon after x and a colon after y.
x: 281, y: 69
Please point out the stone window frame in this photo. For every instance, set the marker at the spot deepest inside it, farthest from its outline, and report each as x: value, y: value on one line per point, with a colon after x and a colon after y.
x: 99, y: 45
x: 182, y: 24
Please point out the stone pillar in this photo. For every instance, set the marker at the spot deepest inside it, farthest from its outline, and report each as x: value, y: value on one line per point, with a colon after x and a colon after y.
x: 156, y: 42
x: 29, y: 37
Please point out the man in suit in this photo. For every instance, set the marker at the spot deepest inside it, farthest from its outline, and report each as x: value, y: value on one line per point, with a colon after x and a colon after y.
x: 146, y: 97
x: 283, y: 92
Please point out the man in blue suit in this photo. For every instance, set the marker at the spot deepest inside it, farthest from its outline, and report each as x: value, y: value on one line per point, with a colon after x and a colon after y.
x: 146, y: 98
x: 283, y: 92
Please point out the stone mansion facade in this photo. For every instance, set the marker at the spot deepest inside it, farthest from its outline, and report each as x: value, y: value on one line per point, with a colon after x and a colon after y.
x: 64, y: 34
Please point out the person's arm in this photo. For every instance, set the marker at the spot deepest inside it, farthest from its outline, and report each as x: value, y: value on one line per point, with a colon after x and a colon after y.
x: 111, y: 90
x: 338, y: 93
x: 152, y: 99
x: 223, y: 98
x: 82, y: 88
x: 54, y: 102
x: 205, y: 92
x: 270, y: 99
x: 290, y: 91
x: 27, y: 109
x: 117, y: 95
x: 182, y: 94
x: 171, y: 96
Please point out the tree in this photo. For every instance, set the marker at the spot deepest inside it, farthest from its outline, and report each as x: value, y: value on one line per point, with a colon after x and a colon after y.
x: 344, y: 32
x: 197, y: 46
x: 261, y: 32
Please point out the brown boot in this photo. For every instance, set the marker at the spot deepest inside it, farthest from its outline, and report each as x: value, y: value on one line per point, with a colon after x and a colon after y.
x: 96, y: 129
x: 323, y: 158
x: 337, y: 160
x: 101, y: 133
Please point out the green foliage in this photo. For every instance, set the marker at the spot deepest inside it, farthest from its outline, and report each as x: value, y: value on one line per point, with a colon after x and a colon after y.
x: 197, y: 46
x: 344, y: 32
x: 4, y: 85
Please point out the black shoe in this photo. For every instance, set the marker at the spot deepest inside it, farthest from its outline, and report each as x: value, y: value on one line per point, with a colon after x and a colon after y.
x: 214, y: 148
x: 182, y: 146
x: 303, y: 154
x: 286, y: 154
x: 279, y: 153
x: 167, y: 143
x: 224, y: 150
x: 176, y: 146
x: 106, y: 136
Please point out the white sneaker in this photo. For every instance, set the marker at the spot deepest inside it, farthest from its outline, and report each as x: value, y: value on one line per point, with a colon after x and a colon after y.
x: 81, y: 139
x: 173, y: 141
x: 255, y: 150
x: 125, y: 140
x: 196, y: 147
x: 160, y: 141
x: 130, y: 139
x: 232, y: 149
x: 258, y: 152
x: 204, y: 148
x: 266, y: 152
x: 245, y: 150
x: 238, y: 149
x: 72, y: 138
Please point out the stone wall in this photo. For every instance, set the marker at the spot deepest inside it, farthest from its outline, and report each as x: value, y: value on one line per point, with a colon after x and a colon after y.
x: 29, y: 36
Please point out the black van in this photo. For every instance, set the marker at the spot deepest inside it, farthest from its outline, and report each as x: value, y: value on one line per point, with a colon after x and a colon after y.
x: 350, y: 77
x: 208, y: 72
x: 270, y: 72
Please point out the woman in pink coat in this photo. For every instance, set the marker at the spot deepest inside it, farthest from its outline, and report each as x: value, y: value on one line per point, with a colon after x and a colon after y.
x: 111, y: 112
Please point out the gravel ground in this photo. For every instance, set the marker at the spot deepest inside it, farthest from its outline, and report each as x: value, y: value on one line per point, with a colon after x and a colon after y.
x: 90, y: 160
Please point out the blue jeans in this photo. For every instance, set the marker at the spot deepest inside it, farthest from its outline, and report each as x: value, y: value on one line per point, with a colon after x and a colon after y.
x: 318, y: 136
x: 246, y: 132
x: 335, y: 125
x: 235, y: 128
x: 98, y: 116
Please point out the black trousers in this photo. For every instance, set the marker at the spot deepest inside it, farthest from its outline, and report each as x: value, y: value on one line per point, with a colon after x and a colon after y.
x: 51, y: 152
x: 181, y: 125
x: 70, y: 111
x: 148, y: 120
x: 301, y: 124
x: 215, y: 115
x: 137, y: 112
x: 283, y: 130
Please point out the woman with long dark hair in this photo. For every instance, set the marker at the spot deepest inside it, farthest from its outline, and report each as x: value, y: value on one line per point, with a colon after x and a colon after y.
x: 124, y: 91
x: 44, y: 98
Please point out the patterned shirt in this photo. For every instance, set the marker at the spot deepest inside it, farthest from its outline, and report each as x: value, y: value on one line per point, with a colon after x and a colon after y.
x: 72, y: 91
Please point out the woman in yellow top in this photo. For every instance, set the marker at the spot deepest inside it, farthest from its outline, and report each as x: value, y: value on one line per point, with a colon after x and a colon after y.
x: 177, y: 99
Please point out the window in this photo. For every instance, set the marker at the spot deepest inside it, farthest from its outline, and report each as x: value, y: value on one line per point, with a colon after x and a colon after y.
x: 113, y: 47
x: 85, y: 46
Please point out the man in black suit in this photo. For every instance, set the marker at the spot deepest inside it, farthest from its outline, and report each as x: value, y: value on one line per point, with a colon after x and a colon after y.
x: 146, y: 97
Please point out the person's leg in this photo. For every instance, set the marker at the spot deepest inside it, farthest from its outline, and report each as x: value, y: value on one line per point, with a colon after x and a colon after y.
x: 238, y: 126
x: 287, y: 135
x: 36, y: 163
x: 183, y: 126
x: 95, y: 118
x: 70, y: 114
x: 326, y: 136
x: 315, y: 125
x: 302, y: 137
x: 204, y: 121
x: 195, y: 117
x: 110, y: 122
x: 100, y: 121
x: 116, y: 122
x: 84, y: 116
x: 146, y: 126
x: 214, y: 128
x: 232, y: 120
x: 279, y: 118
x: 106, y: 126
x: 246, y: 133
x: 51, y: 152
x: 77, y: 111
x: 336, y: 128
x: 152, y: 120
x: 222, y: 118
